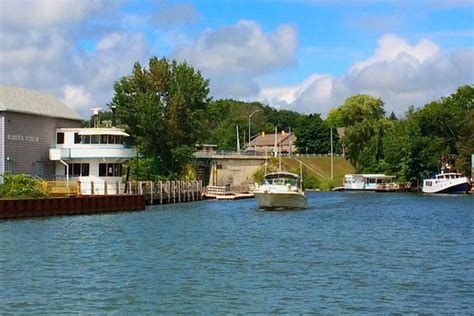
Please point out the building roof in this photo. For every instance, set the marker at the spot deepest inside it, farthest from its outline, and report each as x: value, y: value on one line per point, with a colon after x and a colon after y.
x: 95, y: 131
x: 14, y: 99
x: 269, y: 140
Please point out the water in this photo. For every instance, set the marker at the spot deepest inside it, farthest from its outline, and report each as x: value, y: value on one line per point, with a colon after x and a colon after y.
x: 346, y: 253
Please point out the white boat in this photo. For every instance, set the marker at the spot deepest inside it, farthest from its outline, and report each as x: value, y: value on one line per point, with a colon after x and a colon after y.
x: 281, y: 190
x: 447, y: 182
x: 370, y: 182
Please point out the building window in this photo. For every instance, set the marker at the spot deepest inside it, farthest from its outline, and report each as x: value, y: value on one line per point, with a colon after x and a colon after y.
x: 102, y: 170
x: 40, y: 168
x: 9, y: 166
x: 60, y: 138
x: 103, y: 139
x: 85, y: 139
x: 95, y: 139
x: 110, y: 170
x: 85, y: 169
x: 77, y: 138
x: 78, y: 169
x: 111, y: 139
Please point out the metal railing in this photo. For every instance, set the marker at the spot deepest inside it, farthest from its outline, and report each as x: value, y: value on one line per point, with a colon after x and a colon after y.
x: 228, y: 153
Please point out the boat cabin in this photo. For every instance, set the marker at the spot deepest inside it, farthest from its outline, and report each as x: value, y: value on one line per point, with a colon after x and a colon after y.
x: 369, y: 182
x: 450, y: 175
x: 282, y: 178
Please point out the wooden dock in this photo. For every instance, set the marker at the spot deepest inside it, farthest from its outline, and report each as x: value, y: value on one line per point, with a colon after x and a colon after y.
x: 229, y: 192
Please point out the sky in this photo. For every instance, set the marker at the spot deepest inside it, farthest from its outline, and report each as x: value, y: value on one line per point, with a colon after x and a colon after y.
x: 302, y: 55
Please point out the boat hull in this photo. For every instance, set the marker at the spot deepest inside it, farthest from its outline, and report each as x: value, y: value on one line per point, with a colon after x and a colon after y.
x: 456, y: 189
x: 281, y: 200
x: 455, y: 186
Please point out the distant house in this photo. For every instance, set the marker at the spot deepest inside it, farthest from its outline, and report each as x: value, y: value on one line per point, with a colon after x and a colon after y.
x: 28, y: 123
x: 265, y: 143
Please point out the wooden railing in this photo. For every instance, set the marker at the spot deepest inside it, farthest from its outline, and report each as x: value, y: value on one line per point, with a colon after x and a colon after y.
x: 61, y: 188
x: 167, y: 191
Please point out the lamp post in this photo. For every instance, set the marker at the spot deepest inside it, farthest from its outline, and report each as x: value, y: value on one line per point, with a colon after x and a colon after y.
x: 249, y: 123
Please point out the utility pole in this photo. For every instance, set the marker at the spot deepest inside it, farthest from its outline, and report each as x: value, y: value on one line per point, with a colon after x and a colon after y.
x: 289, y: 137
x: 249, y: 123
x: 332, y: 159
x: 238, y: 140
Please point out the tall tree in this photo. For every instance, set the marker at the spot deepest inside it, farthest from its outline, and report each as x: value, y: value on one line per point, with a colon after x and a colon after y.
x: 362, y: 116
x: 314, y: 136
x: 163, y: 108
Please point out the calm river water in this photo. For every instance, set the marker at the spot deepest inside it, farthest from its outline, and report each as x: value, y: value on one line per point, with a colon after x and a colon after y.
x: 346, y: 253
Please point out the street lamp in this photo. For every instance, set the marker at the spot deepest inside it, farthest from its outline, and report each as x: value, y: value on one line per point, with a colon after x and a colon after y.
x: 249, y: 122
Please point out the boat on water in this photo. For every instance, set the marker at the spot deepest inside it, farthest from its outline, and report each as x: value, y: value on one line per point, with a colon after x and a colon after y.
x: 281, y: 190
x: 447, y: 182
x: 370, y: 182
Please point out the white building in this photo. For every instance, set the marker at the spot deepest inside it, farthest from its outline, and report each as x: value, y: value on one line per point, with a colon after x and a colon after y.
x: 93, y: 157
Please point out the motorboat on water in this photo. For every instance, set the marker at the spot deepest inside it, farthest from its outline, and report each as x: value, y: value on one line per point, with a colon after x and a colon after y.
x: 281, y: 190
x: 447, y: 182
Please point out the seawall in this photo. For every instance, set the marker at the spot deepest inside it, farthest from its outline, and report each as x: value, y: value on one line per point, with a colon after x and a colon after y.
x: 10, y: 209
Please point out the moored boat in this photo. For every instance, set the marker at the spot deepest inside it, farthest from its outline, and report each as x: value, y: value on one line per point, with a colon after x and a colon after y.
x: 447, y: 182
x: 370, y: 182
x: 281, y: 190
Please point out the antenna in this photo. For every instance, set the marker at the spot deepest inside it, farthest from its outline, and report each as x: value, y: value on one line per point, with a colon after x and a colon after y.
x: 95, y: 112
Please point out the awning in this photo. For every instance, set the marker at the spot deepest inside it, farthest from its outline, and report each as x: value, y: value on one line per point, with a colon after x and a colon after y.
x: 102, y: 131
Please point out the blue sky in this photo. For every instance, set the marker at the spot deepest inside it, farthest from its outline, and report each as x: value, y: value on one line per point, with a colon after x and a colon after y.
x: 306, y: 55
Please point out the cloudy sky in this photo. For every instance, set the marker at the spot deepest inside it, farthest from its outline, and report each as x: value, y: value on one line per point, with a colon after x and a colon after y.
x: 303, y: 55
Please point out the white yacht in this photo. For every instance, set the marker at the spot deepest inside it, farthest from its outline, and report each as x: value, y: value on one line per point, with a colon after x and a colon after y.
x: 281, y: 190
x: 370, y: 182
x: 91, y: 156
x: 447, y: 182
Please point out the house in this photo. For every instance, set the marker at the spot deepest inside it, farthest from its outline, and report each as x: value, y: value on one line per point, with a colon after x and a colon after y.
x: 93, y: 157
x: 265, y: 143
x: 28, y: 123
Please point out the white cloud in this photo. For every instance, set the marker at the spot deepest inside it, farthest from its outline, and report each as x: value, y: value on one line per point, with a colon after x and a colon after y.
x: 235, y: 56
x: 77, y: 97
x: 39, y: 50
x: 399, y: 73
x: 108, y: 42
x: 391, y: 47
x: 40, y: 14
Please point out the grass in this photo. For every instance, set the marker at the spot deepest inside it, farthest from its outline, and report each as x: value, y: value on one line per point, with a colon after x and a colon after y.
x: 313, y: 180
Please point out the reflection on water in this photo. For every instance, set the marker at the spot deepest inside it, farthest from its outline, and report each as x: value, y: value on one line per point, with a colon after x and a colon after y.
x: 348, y: 252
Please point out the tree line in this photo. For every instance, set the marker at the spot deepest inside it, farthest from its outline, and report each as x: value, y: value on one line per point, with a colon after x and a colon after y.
x: 167, y: 110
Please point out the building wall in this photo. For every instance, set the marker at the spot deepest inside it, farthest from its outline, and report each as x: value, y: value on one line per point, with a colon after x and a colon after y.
x: 234, y: 171
x: 27, y: 139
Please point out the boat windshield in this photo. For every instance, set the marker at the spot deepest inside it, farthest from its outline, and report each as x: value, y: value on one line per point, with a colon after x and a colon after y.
x: 281, y: 181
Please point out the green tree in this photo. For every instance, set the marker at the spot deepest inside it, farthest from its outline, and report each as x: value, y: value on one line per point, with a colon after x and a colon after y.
x: 163, y: 109
x: 418, y: 144
x: 362, y: 115
x: 313, y: 136
x: 224, y: 115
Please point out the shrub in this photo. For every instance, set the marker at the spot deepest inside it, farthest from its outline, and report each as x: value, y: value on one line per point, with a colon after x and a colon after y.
x: 21, y: 187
